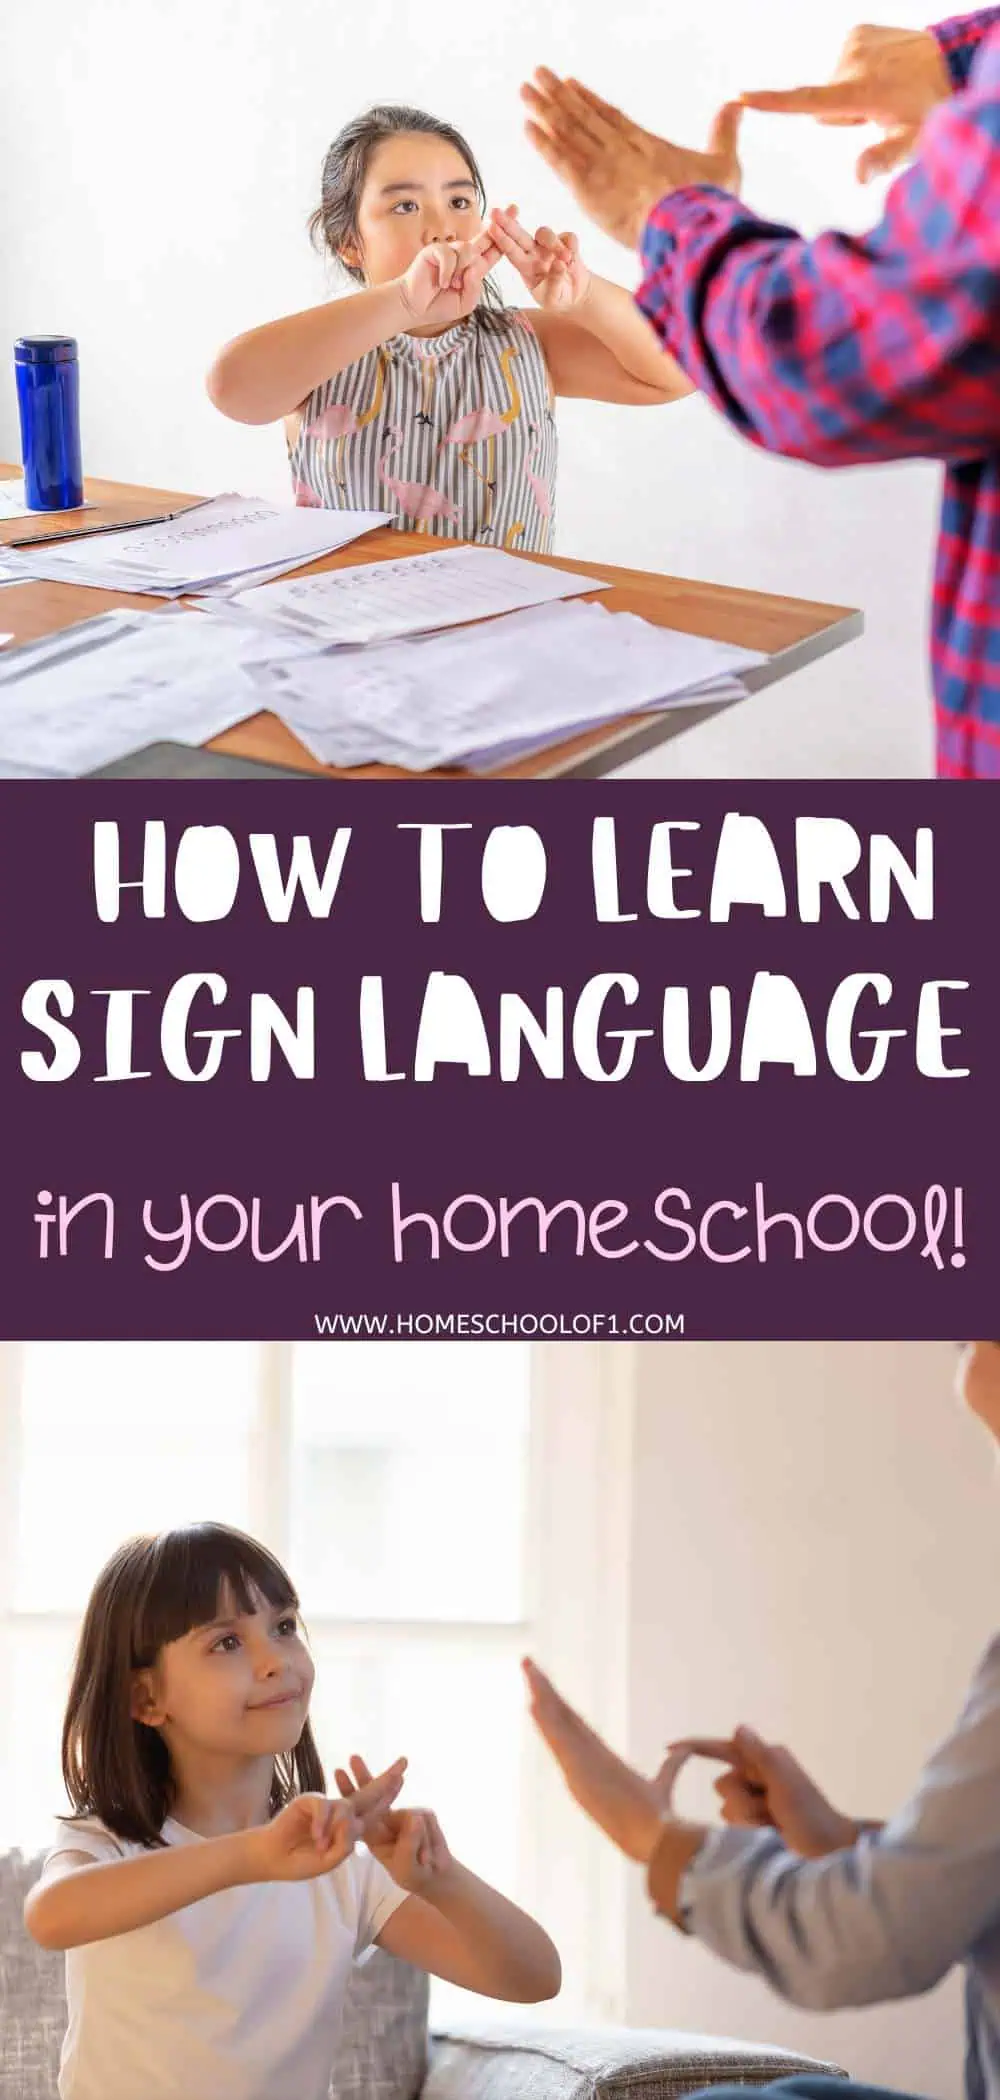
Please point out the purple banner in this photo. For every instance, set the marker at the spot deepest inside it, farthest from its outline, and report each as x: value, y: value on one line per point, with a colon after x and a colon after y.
x: 631, y: 1060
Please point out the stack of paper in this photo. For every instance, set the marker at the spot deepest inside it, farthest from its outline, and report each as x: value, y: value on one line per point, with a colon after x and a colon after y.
x: 91, y: 693
x: 491, y: 693
x: 478, y: 696
x: 416, y: 594
x: 228, y: 541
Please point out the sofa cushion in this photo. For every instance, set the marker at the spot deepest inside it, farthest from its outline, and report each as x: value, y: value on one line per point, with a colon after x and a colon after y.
x: 383, y: 2045
x: 31, y: 1993
x: 508, y: 2062
x: 382, y: 2053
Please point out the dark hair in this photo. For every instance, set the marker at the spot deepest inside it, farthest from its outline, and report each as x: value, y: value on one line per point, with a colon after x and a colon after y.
x: 152, y: 1591
x: 334, y: 223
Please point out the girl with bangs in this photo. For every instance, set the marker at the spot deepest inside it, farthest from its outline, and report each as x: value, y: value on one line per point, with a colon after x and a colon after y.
x: 209, y: 1896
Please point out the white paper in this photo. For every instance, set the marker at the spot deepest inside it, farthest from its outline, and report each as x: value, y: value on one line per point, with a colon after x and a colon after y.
x: 14, y: 503
x: 227, y: 537
x: 93, y: 692
x: 10, y: 771
x: 720, y: 693
x: 4, y: 639
x: 228, y: 587
x: 96, y: 691
x: 522, y: 681
x: 416, y: 594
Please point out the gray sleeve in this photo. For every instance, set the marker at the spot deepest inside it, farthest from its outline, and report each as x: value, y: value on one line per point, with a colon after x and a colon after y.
x: 888, y: 1916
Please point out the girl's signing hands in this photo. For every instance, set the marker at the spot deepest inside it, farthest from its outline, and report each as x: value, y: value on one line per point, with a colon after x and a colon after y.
x: 408, y: 1842
x: 443, y: 282
x: 312, y: 1835
x: 548, y: 263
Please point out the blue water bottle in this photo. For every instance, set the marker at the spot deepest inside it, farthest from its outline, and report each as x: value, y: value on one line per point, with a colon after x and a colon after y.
x: 48, y: 401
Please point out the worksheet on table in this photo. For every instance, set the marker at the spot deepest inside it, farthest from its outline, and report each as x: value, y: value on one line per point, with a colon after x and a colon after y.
x: 222, y: 539
x: 523, y: 680
x: 91, y: 693
x: 419, y: 593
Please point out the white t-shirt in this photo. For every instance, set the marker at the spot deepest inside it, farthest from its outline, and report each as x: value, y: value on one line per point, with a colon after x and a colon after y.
x: 237, y: 1997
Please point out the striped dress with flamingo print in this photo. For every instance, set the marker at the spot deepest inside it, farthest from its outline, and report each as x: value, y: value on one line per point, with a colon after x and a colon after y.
x: 453, y: 434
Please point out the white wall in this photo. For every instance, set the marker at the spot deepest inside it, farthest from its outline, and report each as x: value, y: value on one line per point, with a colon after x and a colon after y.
x: 815, y: 1551
x: 159, y: 159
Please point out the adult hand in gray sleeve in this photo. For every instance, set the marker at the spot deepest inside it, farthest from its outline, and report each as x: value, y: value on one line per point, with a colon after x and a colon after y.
x: 765, y: 1788
x: 885, y: 1917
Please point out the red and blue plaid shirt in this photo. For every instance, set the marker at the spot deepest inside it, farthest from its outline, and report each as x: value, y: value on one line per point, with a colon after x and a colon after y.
x: 845, y: 350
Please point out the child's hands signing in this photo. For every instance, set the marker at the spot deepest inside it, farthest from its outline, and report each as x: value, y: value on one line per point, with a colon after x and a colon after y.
x: 408, y: 1842
x: 443, y: 282
x: 312, y: 1835
x: 549, y: 263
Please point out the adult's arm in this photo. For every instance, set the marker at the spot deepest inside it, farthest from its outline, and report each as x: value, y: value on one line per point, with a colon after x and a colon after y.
x: 849, y: 349
x: 886, y: 1917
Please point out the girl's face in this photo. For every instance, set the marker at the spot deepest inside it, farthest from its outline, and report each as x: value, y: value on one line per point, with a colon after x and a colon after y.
x: 239, y: 1687
x: 418, y: 189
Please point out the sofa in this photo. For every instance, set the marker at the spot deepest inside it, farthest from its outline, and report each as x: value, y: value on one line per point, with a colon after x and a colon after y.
x: 387, y: 2051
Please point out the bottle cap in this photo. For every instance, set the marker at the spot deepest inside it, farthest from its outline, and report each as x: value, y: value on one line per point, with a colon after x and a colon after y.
x: 45, y: 350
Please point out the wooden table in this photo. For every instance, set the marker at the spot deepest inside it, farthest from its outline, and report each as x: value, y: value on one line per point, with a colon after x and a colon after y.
x: 792, y: 631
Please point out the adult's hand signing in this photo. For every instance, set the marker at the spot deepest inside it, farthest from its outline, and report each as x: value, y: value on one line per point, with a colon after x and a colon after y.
x: 634, y: 1812
x: 889, y: 77
x: 628, y: 1807
x: 615, y: 169
x: 764, y: 1787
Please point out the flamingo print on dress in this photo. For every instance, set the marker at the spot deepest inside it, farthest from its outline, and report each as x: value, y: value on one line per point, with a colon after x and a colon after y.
x: 415, y: 498
x: 488, y: 423
x: 537, y: 486
x: 489, y: 375
x: 535, y: 482
x: 340, y: 421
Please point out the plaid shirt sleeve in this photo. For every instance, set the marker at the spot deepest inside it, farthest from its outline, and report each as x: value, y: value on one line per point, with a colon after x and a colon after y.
x: 844, y: 350
x: 960, y: 39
